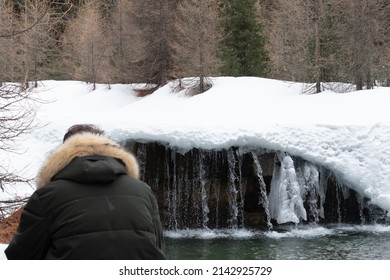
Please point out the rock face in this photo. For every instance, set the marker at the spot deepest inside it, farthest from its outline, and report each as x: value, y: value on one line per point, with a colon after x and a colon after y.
x: 245, y: 188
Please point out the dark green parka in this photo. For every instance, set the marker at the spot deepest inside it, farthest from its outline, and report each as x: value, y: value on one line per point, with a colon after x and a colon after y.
x: 89, y: 204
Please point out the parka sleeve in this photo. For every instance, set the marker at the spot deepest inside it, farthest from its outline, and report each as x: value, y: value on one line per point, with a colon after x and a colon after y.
x: 32, y: 238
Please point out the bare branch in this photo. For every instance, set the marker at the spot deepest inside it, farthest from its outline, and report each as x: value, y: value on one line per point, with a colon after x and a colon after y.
x: 9, y: 206
x: 15, y: 33
x: 17, y: 114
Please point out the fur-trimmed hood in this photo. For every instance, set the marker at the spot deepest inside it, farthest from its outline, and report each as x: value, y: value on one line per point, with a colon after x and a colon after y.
x: 80, y: 145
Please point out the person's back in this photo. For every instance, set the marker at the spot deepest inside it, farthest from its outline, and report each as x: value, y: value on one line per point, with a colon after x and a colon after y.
x: 89, y: 205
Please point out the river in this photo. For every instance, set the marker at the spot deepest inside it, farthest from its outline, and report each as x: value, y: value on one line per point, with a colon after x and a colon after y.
x: 333, y: 242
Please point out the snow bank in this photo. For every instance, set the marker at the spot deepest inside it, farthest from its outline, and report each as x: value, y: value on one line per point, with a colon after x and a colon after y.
x: 347, y: 133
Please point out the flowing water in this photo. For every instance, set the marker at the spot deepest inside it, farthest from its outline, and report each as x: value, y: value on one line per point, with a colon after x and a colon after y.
x: 335, y: 242
x: 247, y: 187
x: 209, y: 199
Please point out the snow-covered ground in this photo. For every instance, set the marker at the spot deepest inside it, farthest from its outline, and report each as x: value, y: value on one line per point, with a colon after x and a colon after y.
x: 349, y: 133
x: 2, y: 254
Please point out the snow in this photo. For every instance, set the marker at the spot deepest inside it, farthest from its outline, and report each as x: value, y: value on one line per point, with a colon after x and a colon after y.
x: 347, y: 133
x: 2, y: 254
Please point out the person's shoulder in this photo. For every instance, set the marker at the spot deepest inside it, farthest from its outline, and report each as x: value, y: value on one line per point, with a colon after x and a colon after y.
x: 57, y: 188
x: 134, y: 181
x: 135, y: 184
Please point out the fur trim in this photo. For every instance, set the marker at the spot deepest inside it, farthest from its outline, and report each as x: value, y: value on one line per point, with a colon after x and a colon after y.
x: 84, y: 144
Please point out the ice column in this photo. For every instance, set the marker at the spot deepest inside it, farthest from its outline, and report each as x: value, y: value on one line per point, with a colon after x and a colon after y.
x: 285, y: 198
x: 308, y: 178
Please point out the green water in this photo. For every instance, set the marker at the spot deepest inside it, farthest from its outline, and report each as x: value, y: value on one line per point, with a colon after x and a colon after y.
x: 339, y: 242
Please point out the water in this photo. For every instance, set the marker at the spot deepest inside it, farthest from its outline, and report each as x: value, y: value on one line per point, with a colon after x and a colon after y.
x: 203, y: 191
x: 246, y: 187
x: 335, y: 242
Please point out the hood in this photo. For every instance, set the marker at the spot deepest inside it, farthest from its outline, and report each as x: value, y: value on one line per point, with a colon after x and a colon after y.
x: 84, y: 145
x: 92, y: 170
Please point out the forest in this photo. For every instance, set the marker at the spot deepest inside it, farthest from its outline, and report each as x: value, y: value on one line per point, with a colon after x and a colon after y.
x: 152, y: 42
x: 123, y: 41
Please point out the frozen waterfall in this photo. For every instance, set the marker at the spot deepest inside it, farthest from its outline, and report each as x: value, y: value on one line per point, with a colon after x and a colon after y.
x: 243, y: 187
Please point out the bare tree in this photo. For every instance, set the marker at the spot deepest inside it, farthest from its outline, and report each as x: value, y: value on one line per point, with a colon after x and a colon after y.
x: 36, y: 41
x: 17, y: 108
x: 19, y: 29
x: 312, y: 41
x: 288, y: 40
x: 382, y: 71
x: 8, y: 55
x: 316, y: 12
x: 86, y: 46
x: 28, y: 39
x: 366, y: 35
x: 127, y: 44
x: 154, y: 20
x: 331, y: 40
x: 17, y: 113
x: 195, y: 50
x: 324, y: 42
x: 357, y: 40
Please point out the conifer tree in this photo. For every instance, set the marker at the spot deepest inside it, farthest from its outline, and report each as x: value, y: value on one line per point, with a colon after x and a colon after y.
x: 242, y: 49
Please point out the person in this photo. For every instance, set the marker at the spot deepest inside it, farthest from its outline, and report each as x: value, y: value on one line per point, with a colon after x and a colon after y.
x: 89, y: 204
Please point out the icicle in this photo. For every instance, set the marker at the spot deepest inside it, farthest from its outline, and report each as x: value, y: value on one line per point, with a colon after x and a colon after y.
x: 322, y: 191
x: 215, y: 188
x: 338, y: 206
x: 338, y: 188
x: 241, y: 191
x: 204, y: 197
x: 263, y: 199
x: 285, y: 200
x: 308, y: 178
x: 362, y: 205
x: 345, y: 190
x: 141, y: 158
x: 184, y: 196
x: 233, y: 179
x: 171, y: 195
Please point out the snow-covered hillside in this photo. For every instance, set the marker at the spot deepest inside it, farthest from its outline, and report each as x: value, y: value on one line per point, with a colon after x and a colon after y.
x: 348, y: 133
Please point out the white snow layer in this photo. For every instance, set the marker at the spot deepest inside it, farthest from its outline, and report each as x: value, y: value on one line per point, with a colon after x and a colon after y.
x: 347, y: 133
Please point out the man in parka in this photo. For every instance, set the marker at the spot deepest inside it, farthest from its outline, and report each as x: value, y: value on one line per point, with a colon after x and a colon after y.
x: 89, y: 204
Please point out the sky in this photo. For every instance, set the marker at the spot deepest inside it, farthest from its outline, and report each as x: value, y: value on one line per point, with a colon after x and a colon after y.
x: 347, y: 133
